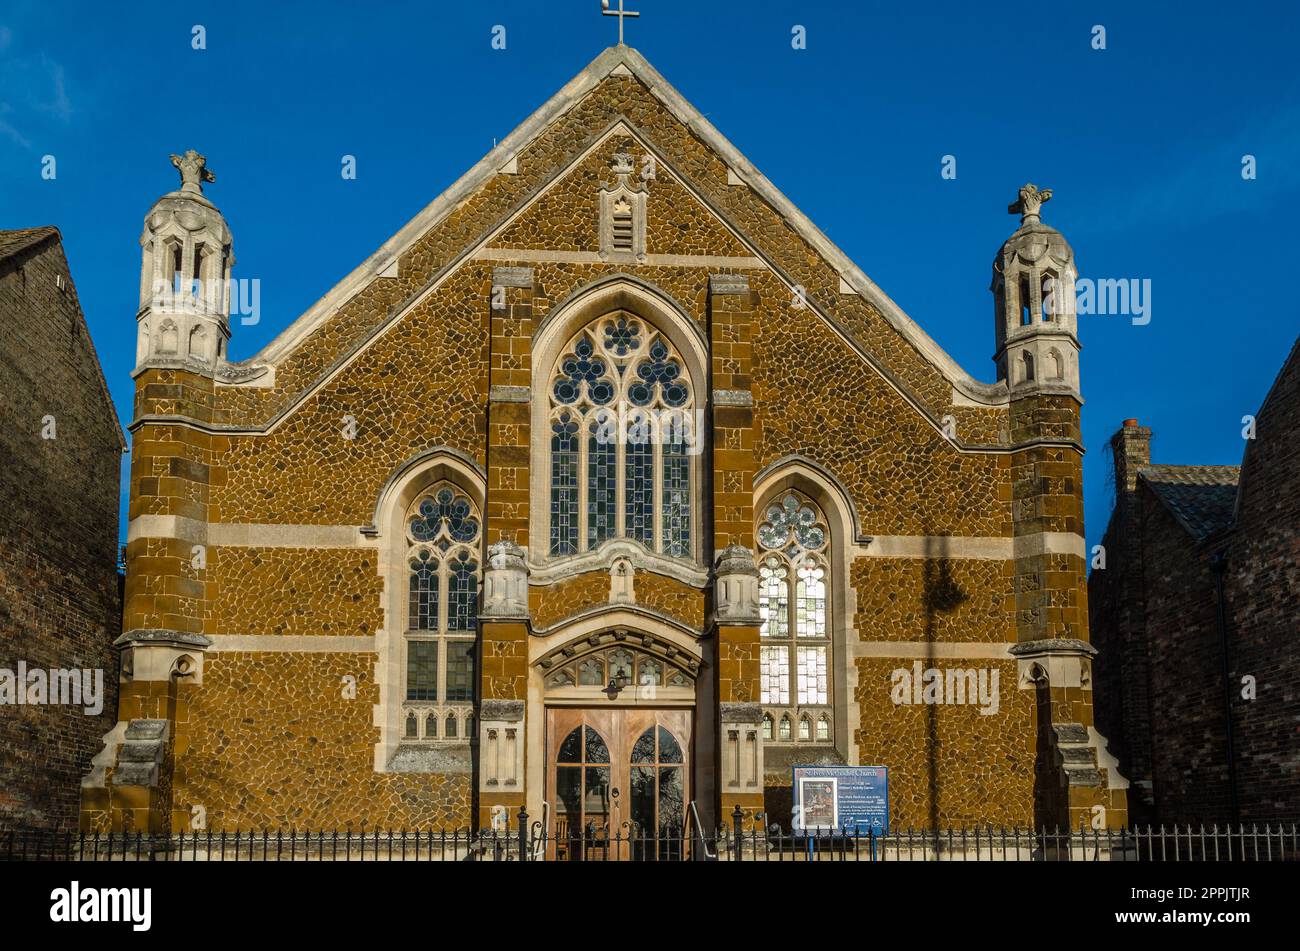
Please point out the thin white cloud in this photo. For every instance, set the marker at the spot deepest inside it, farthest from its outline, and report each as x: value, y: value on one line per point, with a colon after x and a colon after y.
x: 1209, y: 184
x: 14, y: 134
x: 35, y: 91
x: 58, y: 103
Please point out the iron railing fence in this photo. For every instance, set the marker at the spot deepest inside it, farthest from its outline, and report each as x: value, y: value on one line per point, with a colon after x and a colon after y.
x: 745, y: 843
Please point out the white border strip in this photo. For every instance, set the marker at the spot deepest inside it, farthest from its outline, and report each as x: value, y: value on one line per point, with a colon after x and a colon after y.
x: 291, y: 643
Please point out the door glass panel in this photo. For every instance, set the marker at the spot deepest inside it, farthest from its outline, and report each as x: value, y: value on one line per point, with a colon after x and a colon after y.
x: 568, y: 791
x: 650, y: 772
x: 642, y: 800
x: 670, y: 799
x: 644, y: 749
x: 596, y: 800
x: 571, y: 748
x: 669, y: 749
x: 597, y: 751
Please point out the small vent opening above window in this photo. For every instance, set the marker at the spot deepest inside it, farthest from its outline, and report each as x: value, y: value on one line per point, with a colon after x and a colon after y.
x: 622, y: 225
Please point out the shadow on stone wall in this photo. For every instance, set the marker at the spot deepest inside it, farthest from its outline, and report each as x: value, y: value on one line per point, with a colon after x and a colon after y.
x: 940, y: 595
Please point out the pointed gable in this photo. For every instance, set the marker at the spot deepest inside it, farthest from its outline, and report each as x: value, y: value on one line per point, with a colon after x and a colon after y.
x: 508, y: 192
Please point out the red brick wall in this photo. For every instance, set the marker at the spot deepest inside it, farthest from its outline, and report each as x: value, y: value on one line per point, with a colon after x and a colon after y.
x: 59, y: 601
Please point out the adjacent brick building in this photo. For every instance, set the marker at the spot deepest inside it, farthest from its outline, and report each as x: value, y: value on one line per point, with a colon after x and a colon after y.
x: 607, y: 472
x: 60, y: 463
x: 1201, y: 587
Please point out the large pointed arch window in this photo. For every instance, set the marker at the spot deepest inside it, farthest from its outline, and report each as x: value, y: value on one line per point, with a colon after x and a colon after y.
x: 795, y: 633
x: 622, y: 437
x: 443, y: 536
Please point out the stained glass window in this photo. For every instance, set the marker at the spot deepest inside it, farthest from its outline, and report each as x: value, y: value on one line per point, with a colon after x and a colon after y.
x: 602, y: 482
x: 443, y: 532
x: 774, y: 675
x: 810, y: 601
x: 462, y: 592
x: 564, y: 485
x: 460, y: 671
x: 640, y: 481
x: 424, y: 593
x: 422, y: 670
x: 620, y: 383
x: 773, y: 598
x: 793, y: 595
x: 811, y: 663
x: 677, y: 487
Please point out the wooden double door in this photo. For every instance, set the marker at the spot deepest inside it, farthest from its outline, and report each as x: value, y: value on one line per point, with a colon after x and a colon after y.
x: 618, y: 781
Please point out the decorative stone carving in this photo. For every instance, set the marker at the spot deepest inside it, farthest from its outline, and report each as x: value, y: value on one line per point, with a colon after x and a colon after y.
x: 194, y: 170
x: 183, y: 321
x: 512, y: 277
x: 237, y: 373
x: 157, y: 655
x: 622, y: 214
x: 1034, y: 304
x: 728, y: 284
x: 502, y: 711
x: 1056, y: 662
x: 500, y: 393
x: 1030, y: 201
x: 751, y: 713
x: 742, y: 746
x: 141, y: 753
x: 733, y: 398
x: 505, y: 583
x: 736, y: 586
x: 621, y: 577
x: 501, y: 745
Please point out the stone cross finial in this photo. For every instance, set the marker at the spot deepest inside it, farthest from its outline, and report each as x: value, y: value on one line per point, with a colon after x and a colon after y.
x: 1030, y: 200
x: 194, y: 170
x: 620, y: 13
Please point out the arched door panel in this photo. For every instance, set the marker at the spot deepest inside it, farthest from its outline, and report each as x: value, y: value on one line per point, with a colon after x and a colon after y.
x: 618, y: 781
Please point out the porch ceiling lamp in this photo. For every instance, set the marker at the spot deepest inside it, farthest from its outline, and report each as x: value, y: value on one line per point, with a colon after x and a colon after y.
x: 617, y: 681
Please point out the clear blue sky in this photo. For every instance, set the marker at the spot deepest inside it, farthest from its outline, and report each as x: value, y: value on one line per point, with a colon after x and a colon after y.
x: 1142, y: 143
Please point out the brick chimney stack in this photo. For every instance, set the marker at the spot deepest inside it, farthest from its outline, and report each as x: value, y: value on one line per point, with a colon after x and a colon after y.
x: 1132, y: 449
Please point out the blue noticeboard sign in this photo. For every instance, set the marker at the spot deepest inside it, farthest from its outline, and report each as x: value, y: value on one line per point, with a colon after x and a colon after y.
x: 845, y: 799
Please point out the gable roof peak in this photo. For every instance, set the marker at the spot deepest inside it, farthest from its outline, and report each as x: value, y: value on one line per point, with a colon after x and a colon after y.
x: 623, y: 60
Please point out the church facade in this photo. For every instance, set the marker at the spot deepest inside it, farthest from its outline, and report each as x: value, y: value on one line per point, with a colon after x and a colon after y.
x: 607, y: 488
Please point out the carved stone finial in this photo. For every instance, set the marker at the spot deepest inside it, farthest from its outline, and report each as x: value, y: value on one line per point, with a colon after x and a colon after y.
x: 622, y: 164
x: 194, y: 171
x: 736, y: 586
x: 507, y: 555
x: 1030, y: 201
x: 505, y: 583
x: 621, y: 582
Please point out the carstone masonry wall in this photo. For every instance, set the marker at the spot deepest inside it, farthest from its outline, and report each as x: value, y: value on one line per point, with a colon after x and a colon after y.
x: 302, y: 589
